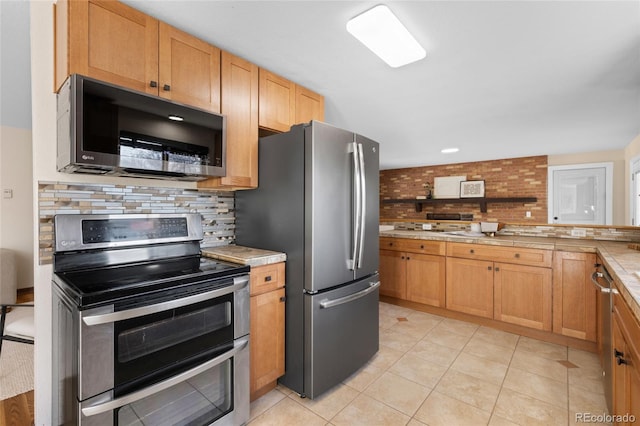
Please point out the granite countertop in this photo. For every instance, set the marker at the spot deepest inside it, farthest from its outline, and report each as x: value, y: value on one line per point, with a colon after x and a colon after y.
x: 244, y: 255
x: 622, y: 262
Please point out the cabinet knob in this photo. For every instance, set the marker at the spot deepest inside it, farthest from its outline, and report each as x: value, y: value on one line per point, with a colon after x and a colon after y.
x: 497, y: 269
x: 422, y: 246
x: 488, y: 268
x: 472, y: 251
x: 401, y: 257
x: 166, y: 88
x: 283, y: 299
x: 517, y: 255
x: 153, y: 83
x: 390, y: 244
x: 267, y: 278
x: 408, y: 258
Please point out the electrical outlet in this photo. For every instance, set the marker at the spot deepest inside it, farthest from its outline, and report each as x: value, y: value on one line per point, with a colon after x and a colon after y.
x: 426, y: 226
x: 578, y: 232
x: 527, y: 214
x: 7, y: 193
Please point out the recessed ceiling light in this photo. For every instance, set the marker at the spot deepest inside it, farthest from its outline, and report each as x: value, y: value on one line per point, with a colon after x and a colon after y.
x: 175, y: 118
x: 384, y: 35
x: 449, y: 150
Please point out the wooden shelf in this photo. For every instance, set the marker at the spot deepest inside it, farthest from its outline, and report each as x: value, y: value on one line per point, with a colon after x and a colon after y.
x: 481, y: 201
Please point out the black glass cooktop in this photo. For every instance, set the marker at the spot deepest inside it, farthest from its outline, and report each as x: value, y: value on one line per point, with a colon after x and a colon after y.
x: 91, y: 287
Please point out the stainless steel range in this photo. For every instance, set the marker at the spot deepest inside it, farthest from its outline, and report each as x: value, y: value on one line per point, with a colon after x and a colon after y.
x: 146, y: 331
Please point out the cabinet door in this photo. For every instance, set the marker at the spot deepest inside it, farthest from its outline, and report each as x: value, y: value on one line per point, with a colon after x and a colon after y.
x: 426, y: 279
x: 239, y: 103
x: 108, y: 41
x: 470, y: 286
x: 620, y: 384
x: 574, y: 296
x: 393, y: 275
x: 266, y: 340
x: 522, y: 295
x: 189, y: 69
x: 309, y: 105
x: 277, y: 102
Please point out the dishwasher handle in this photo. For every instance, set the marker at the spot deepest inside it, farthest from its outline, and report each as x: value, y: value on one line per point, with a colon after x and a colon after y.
x: 594, y: 280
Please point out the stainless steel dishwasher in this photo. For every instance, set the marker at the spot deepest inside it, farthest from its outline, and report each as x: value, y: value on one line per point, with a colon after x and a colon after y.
x: 604, y: 283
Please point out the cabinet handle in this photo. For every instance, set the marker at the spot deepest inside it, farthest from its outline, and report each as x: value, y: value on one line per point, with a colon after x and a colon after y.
x: 617, y: 353
x: 166, y: 88
x: 517, y: 255
x: 267, y: 278
x: 472, y: 251
x: 488, y: 268
x: 153, y: 83
x: 620, y: 361
x: 283, y: 299
x: 497, y: 269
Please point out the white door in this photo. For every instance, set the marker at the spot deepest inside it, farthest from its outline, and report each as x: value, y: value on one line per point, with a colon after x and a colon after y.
x: 581, y: 194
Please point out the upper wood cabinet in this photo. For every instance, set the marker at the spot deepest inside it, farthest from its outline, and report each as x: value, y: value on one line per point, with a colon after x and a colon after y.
x: 309, y: 105
x: 112, y: 42
x: 239, y: 103
x: 106, y: 40
x: 574, y: 296
x: 283, y: 103
x: 189, y: 69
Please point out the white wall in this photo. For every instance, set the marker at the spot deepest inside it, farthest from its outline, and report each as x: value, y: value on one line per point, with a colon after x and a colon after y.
x: 16, y: 231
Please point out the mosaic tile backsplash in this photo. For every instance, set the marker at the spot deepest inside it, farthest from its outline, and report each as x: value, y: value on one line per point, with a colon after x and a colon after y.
x: 217, y: 208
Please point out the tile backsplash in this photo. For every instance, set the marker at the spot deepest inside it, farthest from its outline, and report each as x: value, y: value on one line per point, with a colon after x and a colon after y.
x: 216, y: 207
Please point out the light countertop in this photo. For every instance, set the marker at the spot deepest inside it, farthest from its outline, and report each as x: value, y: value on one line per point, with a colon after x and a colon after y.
x: 621, y: 261
x: 244, y: 255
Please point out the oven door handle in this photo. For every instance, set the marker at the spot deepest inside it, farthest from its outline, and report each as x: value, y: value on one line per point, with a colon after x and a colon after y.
x: 92, y: 410
x: 238, y: 283
x: 594, y: 280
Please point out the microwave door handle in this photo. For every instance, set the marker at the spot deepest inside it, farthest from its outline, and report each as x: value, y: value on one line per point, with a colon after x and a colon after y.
x: 238, y: 283
x: 93, y: 410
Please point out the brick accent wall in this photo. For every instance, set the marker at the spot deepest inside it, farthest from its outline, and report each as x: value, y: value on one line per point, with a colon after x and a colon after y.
x: 512, y: 177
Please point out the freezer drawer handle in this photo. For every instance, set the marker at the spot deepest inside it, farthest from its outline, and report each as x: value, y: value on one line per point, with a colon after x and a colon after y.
x: 325, y: 304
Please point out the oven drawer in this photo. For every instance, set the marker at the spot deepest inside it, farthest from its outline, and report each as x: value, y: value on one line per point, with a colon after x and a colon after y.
x: 216, y: 392
x: 267, y: 278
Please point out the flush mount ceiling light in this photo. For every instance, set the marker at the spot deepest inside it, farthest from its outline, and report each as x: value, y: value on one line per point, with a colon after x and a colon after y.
x: 175, y: 118
x: 384, y: 35
x: 449, y: 150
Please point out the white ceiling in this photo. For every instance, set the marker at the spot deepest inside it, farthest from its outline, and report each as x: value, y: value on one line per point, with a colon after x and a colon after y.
x: 501, y: 78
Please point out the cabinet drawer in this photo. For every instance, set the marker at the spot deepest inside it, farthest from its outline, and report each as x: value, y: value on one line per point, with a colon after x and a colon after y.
x: 521, y: 256
x: 414, y: 246
x: 267, y: 278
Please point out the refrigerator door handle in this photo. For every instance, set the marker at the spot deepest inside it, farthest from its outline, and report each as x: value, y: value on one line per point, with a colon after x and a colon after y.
x: 363, y: 204
x: 358, y: 215
x: 325, y: 304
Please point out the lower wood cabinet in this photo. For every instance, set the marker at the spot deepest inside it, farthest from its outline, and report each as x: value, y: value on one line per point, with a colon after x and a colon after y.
x: 469, y: 286
x: 267, y: 328
x: 626, y: 364
x: 522, y: 295
x: 574, y: 296
x: 413, y: 275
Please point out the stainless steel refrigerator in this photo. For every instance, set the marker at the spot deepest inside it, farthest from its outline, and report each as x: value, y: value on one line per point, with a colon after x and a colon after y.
x: 317, y: 201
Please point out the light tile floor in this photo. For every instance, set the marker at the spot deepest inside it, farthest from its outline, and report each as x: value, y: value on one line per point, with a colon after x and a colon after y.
x: 436, y: 371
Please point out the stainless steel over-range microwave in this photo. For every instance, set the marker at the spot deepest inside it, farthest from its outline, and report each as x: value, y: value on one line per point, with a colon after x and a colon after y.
x: 108, y: 129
